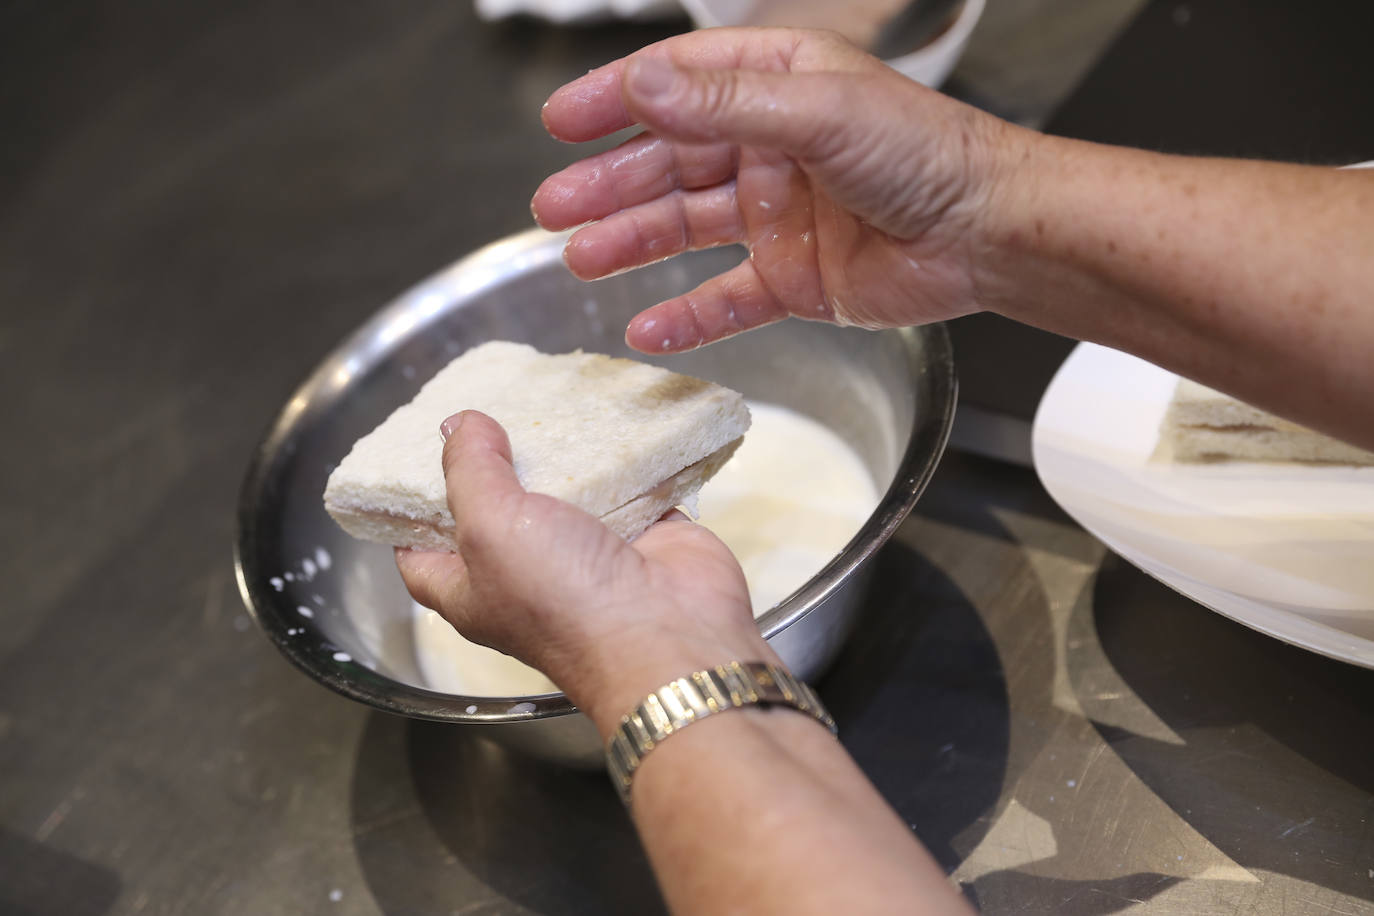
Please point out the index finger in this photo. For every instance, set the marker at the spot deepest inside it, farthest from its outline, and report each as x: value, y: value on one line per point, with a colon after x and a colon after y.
x: 590, y: 106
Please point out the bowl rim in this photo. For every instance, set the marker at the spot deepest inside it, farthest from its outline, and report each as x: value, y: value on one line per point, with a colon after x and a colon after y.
x: 929, y: 353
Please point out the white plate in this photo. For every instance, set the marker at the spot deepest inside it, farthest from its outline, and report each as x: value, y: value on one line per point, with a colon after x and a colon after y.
x: 1285, y: 549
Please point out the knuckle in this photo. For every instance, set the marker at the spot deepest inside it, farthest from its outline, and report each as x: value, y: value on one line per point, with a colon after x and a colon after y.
x: 484, y: 536
x: 717, y: 94
x: 479, y: 540
x: 828, y: 38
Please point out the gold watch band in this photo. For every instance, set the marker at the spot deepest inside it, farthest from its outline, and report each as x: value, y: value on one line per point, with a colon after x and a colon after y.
x: 700, y: 694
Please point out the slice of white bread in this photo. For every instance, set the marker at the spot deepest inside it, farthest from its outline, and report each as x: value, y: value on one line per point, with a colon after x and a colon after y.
x: 623, y: 440
x: 1205, y: 425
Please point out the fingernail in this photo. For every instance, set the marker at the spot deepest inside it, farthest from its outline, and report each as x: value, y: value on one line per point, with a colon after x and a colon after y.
x: 450, y: 425
x: 652, y: 77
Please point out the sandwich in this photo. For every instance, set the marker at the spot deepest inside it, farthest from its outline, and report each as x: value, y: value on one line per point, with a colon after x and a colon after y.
x: 1205, y: 425
x: 622, y: 440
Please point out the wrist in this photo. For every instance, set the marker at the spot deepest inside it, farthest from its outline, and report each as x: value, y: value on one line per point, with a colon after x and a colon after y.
x: 1017, y: 217
x: 615, y: 677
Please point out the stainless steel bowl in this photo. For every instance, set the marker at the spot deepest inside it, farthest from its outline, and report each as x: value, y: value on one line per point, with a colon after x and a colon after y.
x: 336, y: 606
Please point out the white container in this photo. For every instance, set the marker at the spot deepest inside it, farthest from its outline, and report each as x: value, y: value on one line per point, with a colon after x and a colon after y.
x: 930, y: 64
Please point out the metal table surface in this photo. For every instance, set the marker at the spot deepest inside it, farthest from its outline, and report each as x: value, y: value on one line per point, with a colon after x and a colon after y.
x: 197, y: 202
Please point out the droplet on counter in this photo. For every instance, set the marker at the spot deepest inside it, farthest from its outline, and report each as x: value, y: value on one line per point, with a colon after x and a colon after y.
x: 305, y: 611
x: 309, y: 568
x: 318, y: 599
x: 289, y: 577
x: 521, y: 708
x: 335, y: 895
x: 342, y: 657
x: 1071, y: 783
x: 323, y: 558
x: 276, y: 583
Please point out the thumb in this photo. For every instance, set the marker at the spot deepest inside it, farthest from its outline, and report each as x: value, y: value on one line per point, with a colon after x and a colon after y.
x: 478, y: 472
x: 806, y: 115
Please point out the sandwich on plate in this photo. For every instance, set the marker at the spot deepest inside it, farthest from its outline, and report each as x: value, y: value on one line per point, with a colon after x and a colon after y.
x: 1205, y: 425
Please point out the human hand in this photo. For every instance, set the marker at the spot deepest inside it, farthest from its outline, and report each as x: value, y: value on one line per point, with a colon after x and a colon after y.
x: 859, y: 193
x: 539, y: 579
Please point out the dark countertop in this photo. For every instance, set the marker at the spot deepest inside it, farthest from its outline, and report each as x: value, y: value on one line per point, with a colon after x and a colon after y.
x: 197, y: 201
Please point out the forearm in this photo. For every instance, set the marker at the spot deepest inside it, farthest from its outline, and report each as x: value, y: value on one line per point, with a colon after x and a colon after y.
x: 1246, y: 276
x: 762, y: 809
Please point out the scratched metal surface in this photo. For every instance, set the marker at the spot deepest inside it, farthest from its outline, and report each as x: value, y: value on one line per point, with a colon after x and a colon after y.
x: 196, y: 203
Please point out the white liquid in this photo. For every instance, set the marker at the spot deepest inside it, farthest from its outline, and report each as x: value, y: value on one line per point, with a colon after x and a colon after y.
x: 785, y: 504
x: 451, y: 664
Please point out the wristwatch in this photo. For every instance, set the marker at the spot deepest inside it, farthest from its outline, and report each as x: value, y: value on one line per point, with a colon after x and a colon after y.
x: 698, y: 695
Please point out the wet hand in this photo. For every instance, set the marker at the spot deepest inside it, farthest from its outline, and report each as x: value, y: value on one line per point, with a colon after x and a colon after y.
x: 859, y: 194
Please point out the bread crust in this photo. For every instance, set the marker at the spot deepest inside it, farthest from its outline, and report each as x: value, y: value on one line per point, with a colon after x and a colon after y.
x: 604, y: 434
